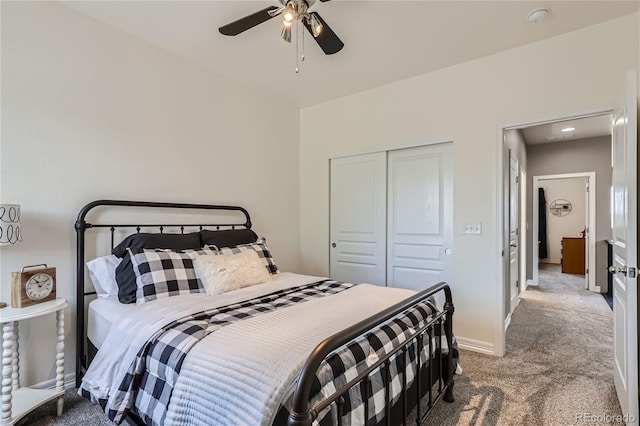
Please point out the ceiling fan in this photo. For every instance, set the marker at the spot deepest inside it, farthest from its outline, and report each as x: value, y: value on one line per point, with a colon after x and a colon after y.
x: 291, y: 11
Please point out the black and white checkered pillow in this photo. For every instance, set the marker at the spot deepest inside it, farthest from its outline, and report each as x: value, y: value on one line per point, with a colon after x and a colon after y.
x: 259, y: 247
x: 165, y: 273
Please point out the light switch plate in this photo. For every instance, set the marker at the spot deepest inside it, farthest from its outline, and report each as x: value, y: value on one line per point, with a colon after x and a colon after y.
x: 472, y: 228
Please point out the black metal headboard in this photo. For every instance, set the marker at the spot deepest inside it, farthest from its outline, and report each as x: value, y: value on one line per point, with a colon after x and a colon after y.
x: 82, y: 225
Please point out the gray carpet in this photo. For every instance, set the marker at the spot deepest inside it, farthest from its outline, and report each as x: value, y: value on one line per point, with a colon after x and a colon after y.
x: 77, y: 411
x: 558, y: 364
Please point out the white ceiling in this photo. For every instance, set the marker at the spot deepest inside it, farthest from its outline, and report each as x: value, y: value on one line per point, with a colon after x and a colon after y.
x: 385, y: 41
x: 584, y: 128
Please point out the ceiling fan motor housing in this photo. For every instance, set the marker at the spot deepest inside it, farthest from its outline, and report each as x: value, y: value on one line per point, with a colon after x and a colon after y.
x: 298, y: 3
x: 299, y: 7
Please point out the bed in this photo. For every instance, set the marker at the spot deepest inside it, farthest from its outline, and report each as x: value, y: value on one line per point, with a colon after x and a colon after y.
x: 294, y: 349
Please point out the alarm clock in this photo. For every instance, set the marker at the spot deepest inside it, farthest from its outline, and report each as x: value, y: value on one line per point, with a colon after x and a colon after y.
x: 33, y: 286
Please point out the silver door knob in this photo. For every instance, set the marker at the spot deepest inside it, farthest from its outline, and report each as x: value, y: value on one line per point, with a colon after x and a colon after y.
x: 333, y: 245
x: 616, y: 270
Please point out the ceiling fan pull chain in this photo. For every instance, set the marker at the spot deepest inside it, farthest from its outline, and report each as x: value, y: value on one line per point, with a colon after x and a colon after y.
x: 302, y: 45
x: 297, y: 45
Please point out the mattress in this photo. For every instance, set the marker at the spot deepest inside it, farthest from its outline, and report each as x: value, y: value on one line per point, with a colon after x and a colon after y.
x: 102, y: 313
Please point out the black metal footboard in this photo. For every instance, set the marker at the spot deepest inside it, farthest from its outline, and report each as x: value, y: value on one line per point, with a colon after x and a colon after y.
x: 302, y: 414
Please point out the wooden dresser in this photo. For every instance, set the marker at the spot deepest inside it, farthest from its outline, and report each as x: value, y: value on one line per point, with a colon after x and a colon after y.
x: 573, y: 255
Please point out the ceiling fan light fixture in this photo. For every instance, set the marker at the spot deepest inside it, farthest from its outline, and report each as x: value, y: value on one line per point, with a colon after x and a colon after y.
x: 316, y: 26
x: 288, y: 16
x: 286, y: 33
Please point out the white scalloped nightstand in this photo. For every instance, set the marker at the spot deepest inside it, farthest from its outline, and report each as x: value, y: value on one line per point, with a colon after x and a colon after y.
x: 18, y: 401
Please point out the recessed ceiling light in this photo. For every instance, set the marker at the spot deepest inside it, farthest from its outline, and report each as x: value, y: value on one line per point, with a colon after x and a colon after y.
x: 538, y: 14
x: 568, y: 129
x: 557, y: 137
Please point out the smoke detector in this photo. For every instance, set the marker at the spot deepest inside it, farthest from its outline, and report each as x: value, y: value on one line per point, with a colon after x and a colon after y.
x: 538, y: 14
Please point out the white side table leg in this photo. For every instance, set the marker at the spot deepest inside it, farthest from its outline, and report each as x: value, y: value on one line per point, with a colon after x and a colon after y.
x: 16, y: 359
x: 60, y: 359
x: 8, y: 345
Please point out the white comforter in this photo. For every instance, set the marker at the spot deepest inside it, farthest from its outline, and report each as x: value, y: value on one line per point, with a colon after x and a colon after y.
x: 243, y: 372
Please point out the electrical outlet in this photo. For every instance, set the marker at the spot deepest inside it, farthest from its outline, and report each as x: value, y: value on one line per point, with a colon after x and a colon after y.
x: 472, y: 228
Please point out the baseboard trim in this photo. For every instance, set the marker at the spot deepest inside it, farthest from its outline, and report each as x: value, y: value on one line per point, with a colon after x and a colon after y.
x: 69, y: 382
x: 476, y: 346
x: 507, y: 321
x: 530, y: 282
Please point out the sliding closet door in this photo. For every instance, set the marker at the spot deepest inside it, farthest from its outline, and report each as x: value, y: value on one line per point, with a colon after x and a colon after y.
x: 358, y: 218
x: 420, y: 217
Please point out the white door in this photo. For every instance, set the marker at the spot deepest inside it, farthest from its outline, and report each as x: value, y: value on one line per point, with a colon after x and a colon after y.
x: 420, y: 217
x: 625, y: 248
x: 514, y: 203
x: 358, y: 218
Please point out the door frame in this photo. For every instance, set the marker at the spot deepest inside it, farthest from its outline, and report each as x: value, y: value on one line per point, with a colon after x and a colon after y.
x: 513, y: 304
x: 523, y: 231
x: 498, y: 210
x: 591, y: 203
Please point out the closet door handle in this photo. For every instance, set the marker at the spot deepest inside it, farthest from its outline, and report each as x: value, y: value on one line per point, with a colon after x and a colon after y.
x: 333, y: 245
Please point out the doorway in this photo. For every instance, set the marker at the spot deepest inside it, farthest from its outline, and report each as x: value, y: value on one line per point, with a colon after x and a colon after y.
x: 622, y: 215
x: 568, y: 146
x: 571, y: 209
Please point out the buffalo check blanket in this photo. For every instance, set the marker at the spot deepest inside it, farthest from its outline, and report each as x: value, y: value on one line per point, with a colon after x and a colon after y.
x: 155, y: 385
x: 357, y: 356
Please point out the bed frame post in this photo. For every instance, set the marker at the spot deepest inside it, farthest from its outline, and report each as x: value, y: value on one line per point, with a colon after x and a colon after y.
x: 448, y: 330
x: 80, y: 354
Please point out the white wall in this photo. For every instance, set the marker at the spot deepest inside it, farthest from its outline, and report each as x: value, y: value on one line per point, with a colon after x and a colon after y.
x: 571, y: 225
x: 467, y: 104
x: 90, y: 112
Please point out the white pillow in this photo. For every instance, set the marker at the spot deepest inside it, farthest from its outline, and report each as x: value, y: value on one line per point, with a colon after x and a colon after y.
x: 102, y: 272
x: 222, y: 273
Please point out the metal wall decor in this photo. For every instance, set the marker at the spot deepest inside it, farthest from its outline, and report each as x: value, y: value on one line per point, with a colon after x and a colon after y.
x: 560, y: 207
x: 10, y: 225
